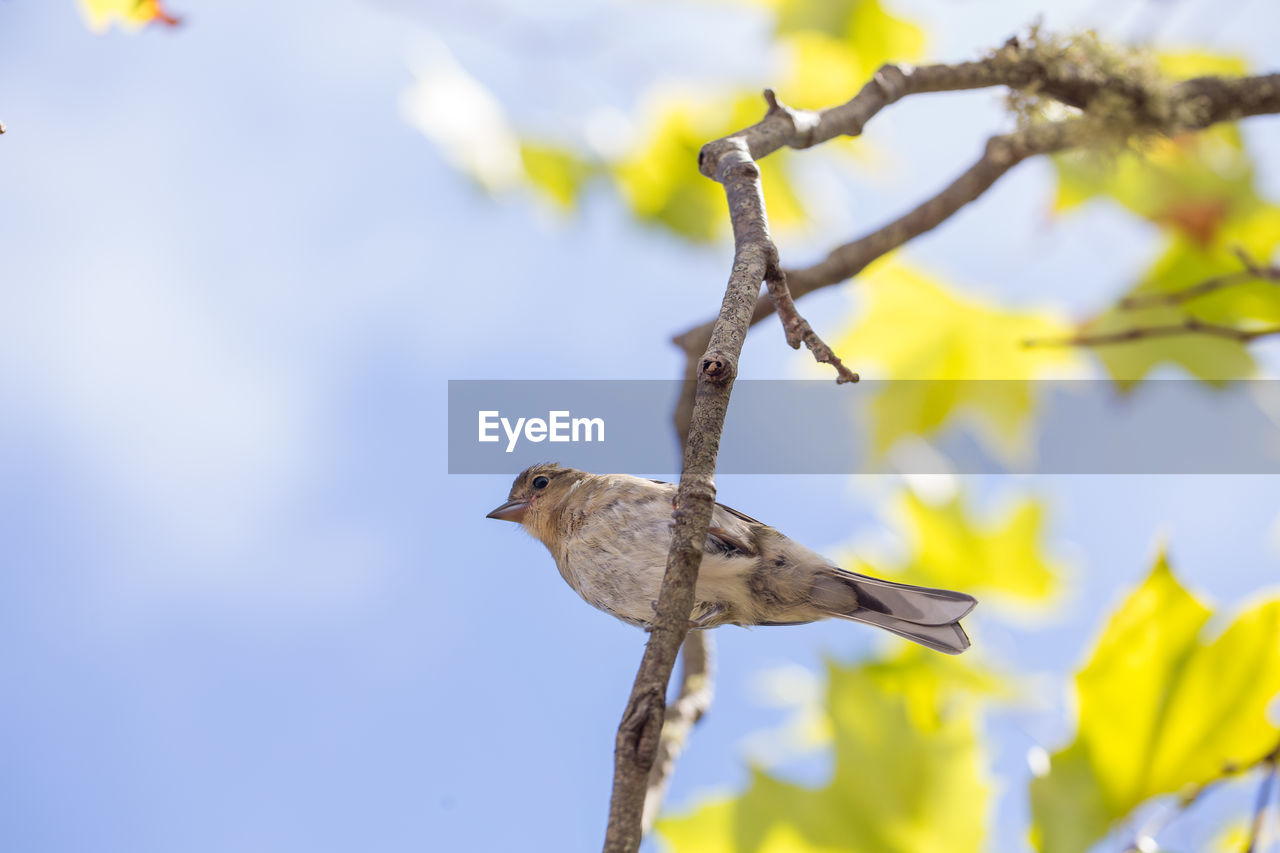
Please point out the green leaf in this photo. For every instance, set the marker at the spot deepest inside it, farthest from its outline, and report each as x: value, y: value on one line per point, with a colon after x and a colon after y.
x: 865, y: 25
x: 1161, y: 710
x: 908, y: 777
x: 1185, y: 264
x: 1212, y: 359
x: 950, y: 548
x: 1190, y: 184
x: 1184, y: 64
x: 1200, y: 188
x: 918, y: 328
x: 830, y: 52
x: 557, y: 173
x: 659, y: 178
x: 834, y: 48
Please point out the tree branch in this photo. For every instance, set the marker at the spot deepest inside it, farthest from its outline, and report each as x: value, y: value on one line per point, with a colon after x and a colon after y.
x: 1205, y: 101
x: 1145, y: 838
x: 1189, y: 326
x: 1190, y: 105
x: 713, y: 348
x: 638, y: 734
x: 1001, y: 154
x: 1252, y: 272
x: 697, y: 687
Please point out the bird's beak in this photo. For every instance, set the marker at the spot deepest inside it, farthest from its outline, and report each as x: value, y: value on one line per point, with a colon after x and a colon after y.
x: 510, y: 511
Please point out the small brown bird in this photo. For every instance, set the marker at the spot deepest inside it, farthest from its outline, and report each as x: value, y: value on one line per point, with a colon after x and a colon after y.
x: 610, y: 533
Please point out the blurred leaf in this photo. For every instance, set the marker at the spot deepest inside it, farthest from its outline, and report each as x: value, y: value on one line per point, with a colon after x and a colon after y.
x: 1161, y: 710
x: 834, y: 48
x: 556, y: 172
x: 907, y: 777
x: 1256, y: 232
x: 660, y: 177
x: 1212, y: 359
x: 870, y: 31
x: 1185, y: 64
x: 1186, y: 263
x: 831, y: 49
x: 1191, y: 184
x: 1200, y: 189
x: 128, y: 14
x: 830, y: 52
x: 949, y: 548
x: 917, y: 328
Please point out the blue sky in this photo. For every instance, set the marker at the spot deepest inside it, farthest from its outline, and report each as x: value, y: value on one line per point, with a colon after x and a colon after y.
x: 244, y: 607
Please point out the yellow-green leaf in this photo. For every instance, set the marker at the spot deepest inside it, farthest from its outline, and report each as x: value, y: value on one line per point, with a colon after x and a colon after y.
x: 917, y: 328
x: 1161, y: 708
x: 834, y: 49
x: 1212, y: 359
x: 1184, y: 64
x: 1246, y: 305
x: 949, y: 548
x: 660, y: 177
x: 868, y: 28
x: 1200, y: 189
x: 556, y: 172
x: 1187, y: 263
x: 908, y: 777
x: 1191, y: 184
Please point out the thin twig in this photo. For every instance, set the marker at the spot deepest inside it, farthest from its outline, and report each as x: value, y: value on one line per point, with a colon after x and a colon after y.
x: 1159, y: 822
x: 1188, y: 326
x: 782, y: 126
x: 797, y: 328
x: 1252, y: 272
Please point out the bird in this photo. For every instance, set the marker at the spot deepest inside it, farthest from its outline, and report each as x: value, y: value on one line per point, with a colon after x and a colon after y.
x: 610, y: 534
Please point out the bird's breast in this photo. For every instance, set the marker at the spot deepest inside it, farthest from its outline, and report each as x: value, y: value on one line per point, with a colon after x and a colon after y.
x: 615, y: 559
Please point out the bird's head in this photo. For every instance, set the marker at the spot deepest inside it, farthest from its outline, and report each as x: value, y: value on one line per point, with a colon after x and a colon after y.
x: 536, y: 493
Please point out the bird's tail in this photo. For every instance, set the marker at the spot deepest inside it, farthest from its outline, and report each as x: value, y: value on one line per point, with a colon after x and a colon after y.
x: 930, y: 617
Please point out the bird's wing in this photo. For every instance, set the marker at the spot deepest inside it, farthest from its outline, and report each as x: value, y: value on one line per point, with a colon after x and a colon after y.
x: 731, y: 532
x: 741, y: 516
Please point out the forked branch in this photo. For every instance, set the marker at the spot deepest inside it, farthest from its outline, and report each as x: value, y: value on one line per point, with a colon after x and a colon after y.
x: 713, y: 349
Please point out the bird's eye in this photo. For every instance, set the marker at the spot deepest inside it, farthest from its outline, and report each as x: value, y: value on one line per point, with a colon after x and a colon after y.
x: 540, y: 482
